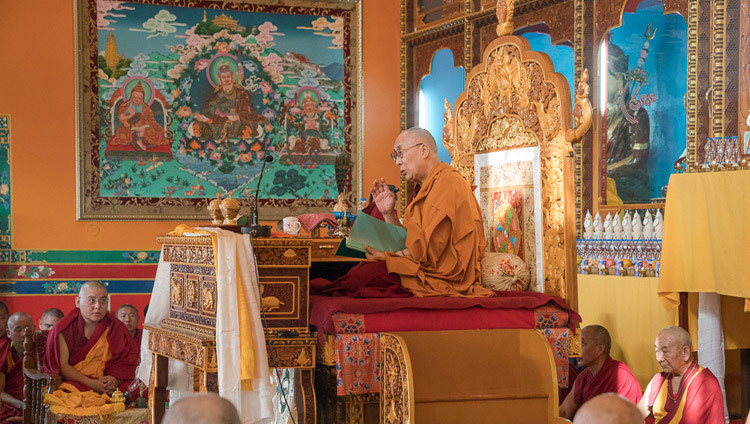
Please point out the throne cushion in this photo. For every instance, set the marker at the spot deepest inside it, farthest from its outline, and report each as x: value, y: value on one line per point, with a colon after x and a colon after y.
x: 504, y: 272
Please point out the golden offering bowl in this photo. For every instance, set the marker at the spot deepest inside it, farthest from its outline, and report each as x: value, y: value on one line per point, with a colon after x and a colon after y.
x: 117, y: 397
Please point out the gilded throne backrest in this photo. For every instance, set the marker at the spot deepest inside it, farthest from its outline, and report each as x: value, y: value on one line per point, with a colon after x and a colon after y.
x: 516, y: 107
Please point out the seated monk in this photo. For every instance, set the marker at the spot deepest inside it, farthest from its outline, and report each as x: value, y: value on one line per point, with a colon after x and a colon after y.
x: 49, y: 318
x: 4, y: 339
x: 684, y: 392
x: 11, y: 368
x: 602, y: 374
x: 91, y: 348
x: 609, y: 408
x: 444, y: 233
x: 129, y: 316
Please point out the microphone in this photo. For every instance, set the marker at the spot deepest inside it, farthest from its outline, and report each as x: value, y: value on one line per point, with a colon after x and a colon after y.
x: 256, y: 229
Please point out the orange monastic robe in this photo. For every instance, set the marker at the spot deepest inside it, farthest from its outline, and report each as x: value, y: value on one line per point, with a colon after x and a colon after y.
x: 445, y: 237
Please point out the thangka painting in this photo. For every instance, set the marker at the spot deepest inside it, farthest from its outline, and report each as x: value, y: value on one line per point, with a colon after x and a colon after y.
x: 509, y: 195
x: 180, y: 104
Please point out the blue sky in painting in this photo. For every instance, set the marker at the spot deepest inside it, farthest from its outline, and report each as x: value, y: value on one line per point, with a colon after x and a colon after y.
x: 130, y: 43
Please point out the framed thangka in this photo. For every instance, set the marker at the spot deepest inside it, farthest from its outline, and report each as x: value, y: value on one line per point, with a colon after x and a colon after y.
x: 177, y: 104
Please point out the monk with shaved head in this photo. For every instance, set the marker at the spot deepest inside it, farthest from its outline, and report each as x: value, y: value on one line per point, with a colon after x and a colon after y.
x: 91, y: 348
x: 608, y: 408
x: 602, y: 374
x: 444, y: 233
x: 204, y: 408
x: 49, y: 318
x: 11, y: 366
x: 684, y: 392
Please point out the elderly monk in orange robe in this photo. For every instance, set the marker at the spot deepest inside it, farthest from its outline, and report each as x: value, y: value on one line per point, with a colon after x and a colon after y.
x: 91, y: 348
x: 684, y: 392
x: 11, y: 366
x: 444, y: 233
x: 602, y: 374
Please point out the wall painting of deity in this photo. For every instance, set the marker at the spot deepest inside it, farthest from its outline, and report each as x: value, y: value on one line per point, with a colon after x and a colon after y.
x: 177, y: 104
x: 509, y: 196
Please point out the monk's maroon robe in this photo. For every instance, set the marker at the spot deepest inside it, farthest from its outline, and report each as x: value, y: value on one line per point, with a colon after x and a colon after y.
x: 613, y: 377
x: 12, y: 368
x: 122, y: 345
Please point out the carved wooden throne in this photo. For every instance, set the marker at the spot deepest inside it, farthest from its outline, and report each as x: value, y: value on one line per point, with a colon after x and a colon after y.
x: 514, y: 99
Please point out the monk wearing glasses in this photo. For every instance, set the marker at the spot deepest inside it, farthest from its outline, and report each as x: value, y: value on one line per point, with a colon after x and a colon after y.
x: 89, y: 347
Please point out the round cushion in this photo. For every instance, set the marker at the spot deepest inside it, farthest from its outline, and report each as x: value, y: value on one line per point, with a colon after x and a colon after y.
x: 504, y: 272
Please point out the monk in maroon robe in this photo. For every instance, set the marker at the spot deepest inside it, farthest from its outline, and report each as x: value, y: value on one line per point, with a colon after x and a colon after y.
x: 128, y: 315
x: 602, y: 374
x: 11, y: 366
x: 49, y: 318
x: 91, y: 348
x: 4, y: 339
x: 684, y: 392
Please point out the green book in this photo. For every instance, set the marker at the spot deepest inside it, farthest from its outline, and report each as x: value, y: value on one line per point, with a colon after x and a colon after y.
x: 380, y: 235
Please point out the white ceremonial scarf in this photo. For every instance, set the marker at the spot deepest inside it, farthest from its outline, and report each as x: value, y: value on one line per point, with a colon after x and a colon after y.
x: 235, y: 264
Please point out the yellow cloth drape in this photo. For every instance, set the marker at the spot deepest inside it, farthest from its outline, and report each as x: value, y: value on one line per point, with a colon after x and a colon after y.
x: 93, y: 364
x: 706, y: 233
x: 247, y: 353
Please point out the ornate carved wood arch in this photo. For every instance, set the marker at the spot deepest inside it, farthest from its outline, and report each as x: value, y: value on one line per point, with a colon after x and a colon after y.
x: 513, y: 99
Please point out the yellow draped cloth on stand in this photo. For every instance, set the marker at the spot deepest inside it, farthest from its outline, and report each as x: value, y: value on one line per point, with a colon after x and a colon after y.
x: 706, y: 236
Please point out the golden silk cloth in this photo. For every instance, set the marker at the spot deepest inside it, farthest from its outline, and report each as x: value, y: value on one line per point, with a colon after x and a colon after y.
x: 706, y: 234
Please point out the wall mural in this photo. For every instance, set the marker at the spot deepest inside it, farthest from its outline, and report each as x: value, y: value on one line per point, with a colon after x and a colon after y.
x: 190, y: 100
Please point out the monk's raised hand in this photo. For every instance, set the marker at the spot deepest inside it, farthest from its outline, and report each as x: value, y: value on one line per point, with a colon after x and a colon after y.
x: 383, y: 197
x: 371, y: 253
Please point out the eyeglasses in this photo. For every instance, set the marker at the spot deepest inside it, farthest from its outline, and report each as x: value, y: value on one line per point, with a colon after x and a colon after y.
x: 91, y: 301
x: 399, y: 153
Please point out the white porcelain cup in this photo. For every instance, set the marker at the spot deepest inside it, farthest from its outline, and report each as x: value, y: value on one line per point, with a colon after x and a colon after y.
x: 291, y: 225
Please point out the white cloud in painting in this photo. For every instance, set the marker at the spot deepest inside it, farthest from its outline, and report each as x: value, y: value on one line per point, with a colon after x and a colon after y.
x: 105, y: 13
x: 334, y: 29
x: 163, y: 23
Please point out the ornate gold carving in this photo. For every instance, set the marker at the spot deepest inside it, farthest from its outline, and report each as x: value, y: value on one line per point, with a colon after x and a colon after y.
x: 198, y: 254
x: 175, y: 290
x: 327, y: 351
x: 303, y: 359
x: 513, y: 100
x: 581, y: 110
x: 718, y: 61
x: 286, y: 256
x: 270, y: 303
x: 504, y: 14
x: 191, y: 301
x: 172, y: 346
x: 200, y: 332
x: 291, y: 352
x: 208, y: 299
x: 396, y: 403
